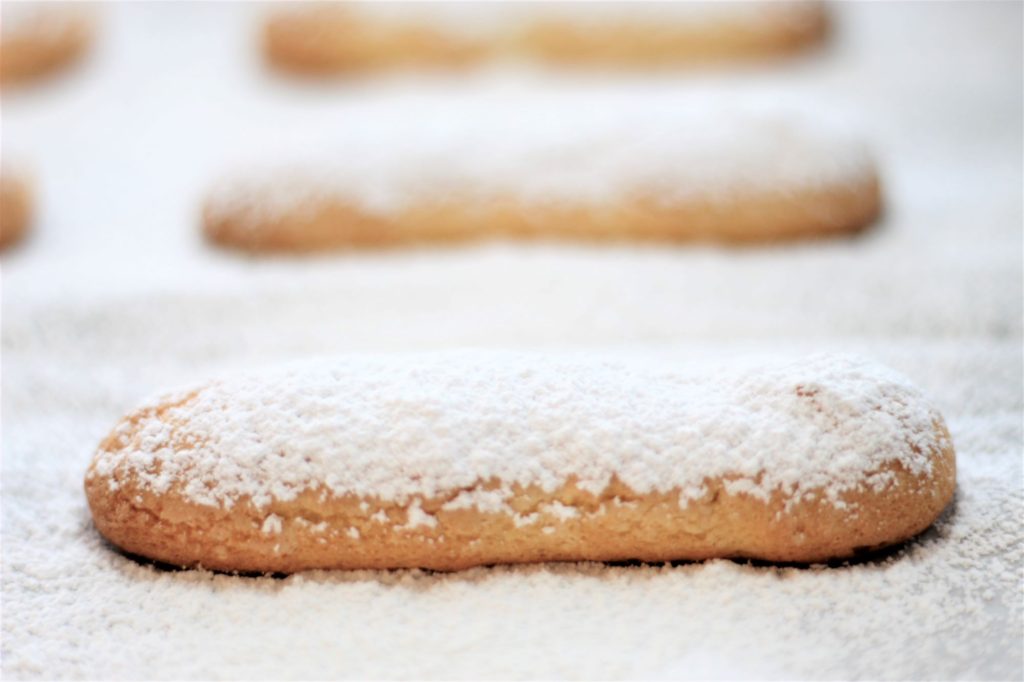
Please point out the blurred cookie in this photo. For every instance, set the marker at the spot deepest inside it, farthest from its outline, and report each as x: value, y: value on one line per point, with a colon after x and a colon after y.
x: 701, y: 172
x: 15, y: 207
x: 350, y: 37
x: 37, y: 39
x: 333, y: 38
x: 661, y: 34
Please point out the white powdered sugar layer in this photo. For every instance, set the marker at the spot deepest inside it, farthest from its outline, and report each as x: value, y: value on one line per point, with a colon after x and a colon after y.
x: 409, y: 426
x: 115, y: 296
x: 705, y: 144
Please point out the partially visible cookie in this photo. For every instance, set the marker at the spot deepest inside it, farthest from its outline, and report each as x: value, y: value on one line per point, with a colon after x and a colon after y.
x: 464, y: 459
x: 351, y: 37
x: 664, y: 34
x: 699, y: 172
x: 37, y: 39
x: 15, y: 207
x: 330, y: 38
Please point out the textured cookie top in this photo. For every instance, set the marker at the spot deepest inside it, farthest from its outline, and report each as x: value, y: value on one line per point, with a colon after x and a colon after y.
x: 396, y: 427
x: 571, y: 149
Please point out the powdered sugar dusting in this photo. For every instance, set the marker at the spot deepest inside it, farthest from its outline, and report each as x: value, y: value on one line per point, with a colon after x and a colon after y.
x: 272, y: 524
x: 421, y: 426
x: 115, y: 297
x: 417, y: 517
x: 703, y: 144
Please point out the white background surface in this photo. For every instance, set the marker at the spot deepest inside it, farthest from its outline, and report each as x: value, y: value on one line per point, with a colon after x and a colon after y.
x: 115, y: 297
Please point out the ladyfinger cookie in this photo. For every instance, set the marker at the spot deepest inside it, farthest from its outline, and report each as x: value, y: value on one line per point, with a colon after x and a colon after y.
x: 337, y: 38
x: 461, y: 459
x: 39, y: 38
x: 730, y: 172
x: 664, y: 34
x: 351, y: 37
x: 15, y: 207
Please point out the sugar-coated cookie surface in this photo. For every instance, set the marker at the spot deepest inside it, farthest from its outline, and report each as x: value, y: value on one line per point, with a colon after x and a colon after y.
x: 712, y: 168
x: 15, y: 207
x: 39, y: 38
x: 328, y: 38
x: 466, y: 458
